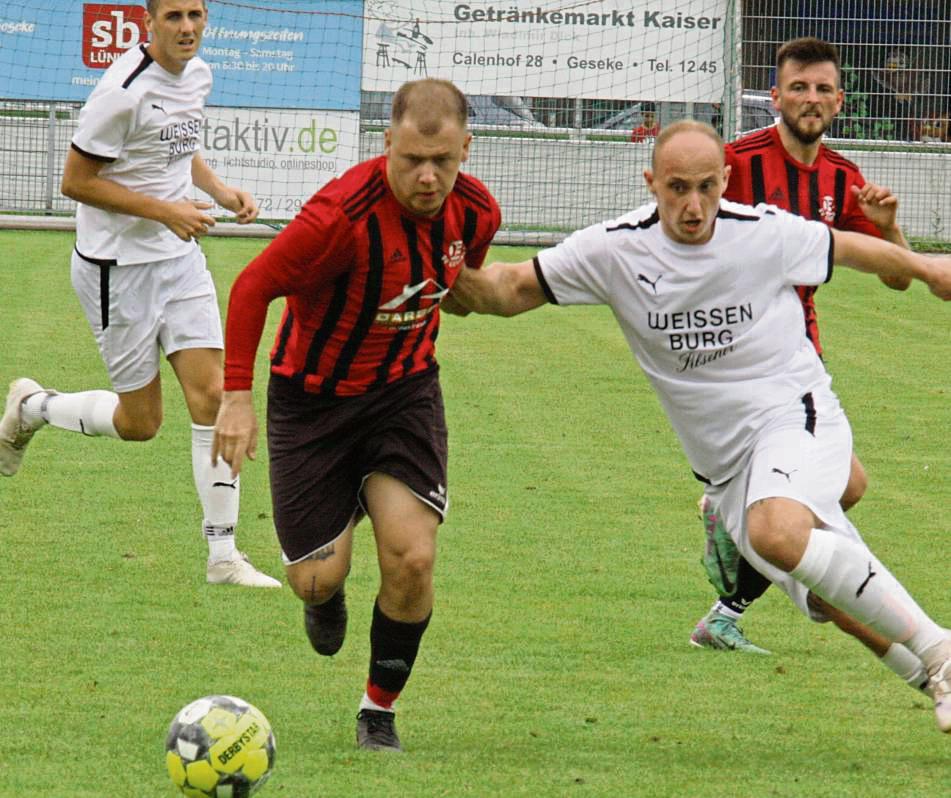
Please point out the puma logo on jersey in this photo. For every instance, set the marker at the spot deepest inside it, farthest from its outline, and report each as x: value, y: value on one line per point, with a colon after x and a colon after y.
x: 652, y: 283
x: 864, y: 584
x: 159, y: 108
x: 788, y: 475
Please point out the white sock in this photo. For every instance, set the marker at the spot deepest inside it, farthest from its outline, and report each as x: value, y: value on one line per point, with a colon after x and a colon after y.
x: 218, y: 493
x: 851, y: 578
x: 88, y: 412
x: 721, y: 608
x: 906, y: 666
x: 368, y: 703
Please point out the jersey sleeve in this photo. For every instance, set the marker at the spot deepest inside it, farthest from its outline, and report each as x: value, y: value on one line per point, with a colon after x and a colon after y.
x: 104, y: 125
x: 576, y: 272
x: 807, y: 249
x: 311, y: 251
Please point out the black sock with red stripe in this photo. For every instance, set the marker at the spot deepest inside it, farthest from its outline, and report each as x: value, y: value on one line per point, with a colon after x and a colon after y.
x: 393, y: 649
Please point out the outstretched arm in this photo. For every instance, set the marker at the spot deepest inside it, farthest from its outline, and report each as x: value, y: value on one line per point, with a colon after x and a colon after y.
x: 499, y: 289
x: 887, y: 260
x: 880, y: 207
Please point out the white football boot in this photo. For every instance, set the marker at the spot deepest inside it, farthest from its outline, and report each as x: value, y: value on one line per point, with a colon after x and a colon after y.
x: 238, y: 571
x: 15, y: 434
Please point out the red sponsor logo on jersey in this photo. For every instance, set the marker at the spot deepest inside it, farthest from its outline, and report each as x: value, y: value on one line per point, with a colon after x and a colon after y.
x: 109, y: 30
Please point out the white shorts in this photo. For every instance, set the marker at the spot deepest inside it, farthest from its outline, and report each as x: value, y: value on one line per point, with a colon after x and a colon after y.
x: 135, y: 311
x: 789, y: 460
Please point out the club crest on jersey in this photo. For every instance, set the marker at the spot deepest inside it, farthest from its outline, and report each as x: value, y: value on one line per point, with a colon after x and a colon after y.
x: 455, y: 256
x: 827, y: 209
x: 392, y: 314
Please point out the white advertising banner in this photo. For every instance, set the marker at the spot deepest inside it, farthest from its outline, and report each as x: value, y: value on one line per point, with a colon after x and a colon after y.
x: 607, y: 49
x: 280, y: 156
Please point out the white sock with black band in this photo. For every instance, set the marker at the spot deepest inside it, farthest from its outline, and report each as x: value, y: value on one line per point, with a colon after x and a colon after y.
x: 850, y: 577
x: 88, y: 412
x: 219, y: 494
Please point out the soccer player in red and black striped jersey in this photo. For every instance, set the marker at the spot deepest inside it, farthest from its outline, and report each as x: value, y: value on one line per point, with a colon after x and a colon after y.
x: 355, y: 415
x: 787, y: 165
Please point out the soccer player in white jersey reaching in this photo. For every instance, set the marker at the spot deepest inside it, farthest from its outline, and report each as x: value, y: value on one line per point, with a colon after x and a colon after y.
x: 703, y: 291
x: 139, y: 272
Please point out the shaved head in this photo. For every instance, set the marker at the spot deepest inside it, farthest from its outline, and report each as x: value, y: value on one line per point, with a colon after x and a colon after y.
x: 684, y: 126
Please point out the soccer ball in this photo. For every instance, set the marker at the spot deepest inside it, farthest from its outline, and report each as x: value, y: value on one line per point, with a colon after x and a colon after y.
x: 219, y: 747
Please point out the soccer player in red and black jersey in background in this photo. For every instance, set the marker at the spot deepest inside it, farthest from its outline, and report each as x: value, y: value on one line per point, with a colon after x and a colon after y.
x: 355, y: 420
x: 787, y: 165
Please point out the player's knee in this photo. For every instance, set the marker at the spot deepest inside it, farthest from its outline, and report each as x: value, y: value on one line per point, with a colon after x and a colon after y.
x: 778, y: 531
x: 315, y: 582
x: 211, y: 393
x: 138, y: 428
x: 418, y: 564
x: 203, y: 402
x: 767, y: 541
x: 313, y: 593
x: 855, y: 490
x: 410, y: 571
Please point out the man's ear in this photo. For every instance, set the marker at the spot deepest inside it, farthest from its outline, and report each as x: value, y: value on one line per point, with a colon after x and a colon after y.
x: 649, y: 179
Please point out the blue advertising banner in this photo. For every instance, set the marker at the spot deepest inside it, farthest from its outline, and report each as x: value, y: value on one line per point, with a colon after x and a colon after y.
x: 300, y: 54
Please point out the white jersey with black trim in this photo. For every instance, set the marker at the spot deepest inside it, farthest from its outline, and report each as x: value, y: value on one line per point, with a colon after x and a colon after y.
x: 145, y: 125
x: 716, y: 327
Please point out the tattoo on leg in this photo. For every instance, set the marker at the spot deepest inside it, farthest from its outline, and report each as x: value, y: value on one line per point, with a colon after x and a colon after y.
x: 312, y: 593
x: 324, y: 553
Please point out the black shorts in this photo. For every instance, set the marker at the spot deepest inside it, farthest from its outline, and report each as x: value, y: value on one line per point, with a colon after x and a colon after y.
x: 323, y: 448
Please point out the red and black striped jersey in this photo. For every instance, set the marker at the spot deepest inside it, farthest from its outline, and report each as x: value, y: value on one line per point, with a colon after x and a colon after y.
x: 763, y: 171
x: 363, y: 278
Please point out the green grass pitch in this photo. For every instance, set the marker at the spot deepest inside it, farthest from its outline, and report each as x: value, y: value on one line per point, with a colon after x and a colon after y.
x: 567, y: 583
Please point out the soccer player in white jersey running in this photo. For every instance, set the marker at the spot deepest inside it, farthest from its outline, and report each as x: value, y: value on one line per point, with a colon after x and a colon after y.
x: 703, y: 291
x: 139, y: 272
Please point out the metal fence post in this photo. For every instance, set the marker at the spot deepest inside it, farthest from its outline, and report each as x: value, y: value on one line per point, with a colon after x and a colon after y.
x: 50, y: 157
